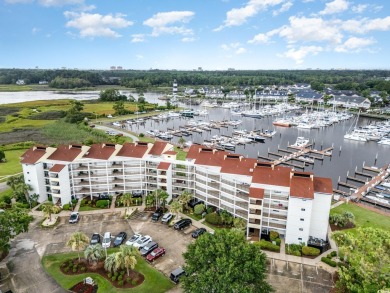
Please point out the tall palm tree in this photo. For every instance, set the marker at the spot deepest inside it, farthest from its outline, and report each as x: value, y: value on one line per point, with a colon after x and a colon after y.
x: 14, y: 181
x: 110, y: 262
x: 94, y: 253
x: 126, y: 258
x: 181, y: 141
x: 176, y: 207
x: 126, y: 199
x: 184, y: 198
x: 48, y: 209
x: 163, y: 196
x: 78, y: 241
x: 23, y: 189
x: 149, y: 200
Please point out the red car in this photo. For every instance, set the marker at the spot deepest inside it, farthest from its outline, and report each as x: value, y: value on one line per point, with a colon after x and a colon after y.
x: 155, y: 254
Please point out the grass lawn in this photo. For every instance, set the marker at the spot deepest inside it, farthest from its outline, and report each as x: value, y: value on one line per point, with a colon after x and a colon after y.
x: 154, y: 280
x: 181, y: 155
x: 5, y: 193
x: 14, y: 88
x: 363, y: 217
x: 88, y: 208
x: 12, y: 166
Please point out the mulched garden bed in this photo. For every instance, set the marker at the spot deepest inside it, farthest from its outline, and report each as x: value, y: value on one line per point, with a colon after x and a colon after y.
x: 82, y: 267
x: 84, y: 288
x: 338, y: 228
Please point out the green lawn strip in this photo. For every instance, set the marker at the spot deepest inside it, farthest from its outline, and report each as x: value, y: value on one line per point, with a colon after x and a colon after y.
x: 194, y: 216
x: 88, y: 208
x: 7, y: 192
x: 181, y: 155
x: 154, y: 280
x: 12, y: 166
x: 363, y: 217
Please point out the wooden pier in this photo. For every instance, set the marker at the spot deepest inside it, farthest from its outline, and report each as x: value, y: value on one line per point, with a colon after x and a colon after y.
x: 356, y: 179
x: 345, y: 184
x: 363, y: 174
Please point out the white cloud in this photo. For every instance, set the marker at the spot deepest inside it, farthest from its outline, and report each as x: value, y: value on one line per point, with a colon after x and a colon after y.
x: 60, y: 2
x: 139, y: 56
x: 335, y: 6
x: 138, y: 38
x: 240, y: 51
x: 298, y: 55
x: 366, y: 25
x: 285, y: 7
x: 238, y: 16
x: 311, y: 29
x: 162, y: 21
x: 354, y: 44
x: 234, y: 47
x: 260, y: 39
x: 35, y: 30
x: 187, y: 40
x: 96, y: 25
x: 360, y: 8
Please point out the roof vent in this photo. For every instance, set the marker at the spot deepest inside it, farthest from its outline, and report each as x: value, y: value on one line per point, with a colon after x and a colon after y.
x: 142, y: 143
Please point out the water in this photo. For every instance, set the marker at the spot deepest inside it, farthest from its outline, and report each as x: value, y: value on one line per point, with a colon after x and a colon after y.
x: 353, y: 153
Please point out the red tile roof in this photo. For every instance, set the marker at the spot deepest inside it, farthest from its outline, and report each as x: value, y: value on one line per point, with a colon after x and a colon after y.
x: 132, y: 150
x: 206, y: 156
x: 65, y: 153
x: 158, y: 148
x: 256, y: 192
x: 57, y: 168
x: 239, y: 165
x: 323, y: 185
x: 170, y: 153
x: 100, y: 151
x: 276, y: 175
x: 163, y: 166
x: 33, y: 155
x: 302, y: 187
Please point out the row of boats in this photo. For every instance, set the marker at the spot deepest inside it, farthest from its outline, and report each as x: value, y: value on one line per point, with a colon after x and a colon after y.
x: 379, y: 132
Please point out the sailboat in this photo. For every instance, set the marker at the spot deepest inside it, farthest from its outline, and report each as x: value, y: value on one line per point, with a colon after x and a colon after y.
x: 352, y: 134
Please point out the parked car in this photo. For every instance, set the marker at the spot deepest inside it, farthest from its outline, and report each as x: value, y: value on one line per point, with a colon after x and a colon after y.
x: 166, y: 218
x: 181, y: 224
x: 120, y: 238
x: 74, y: 217
x: 104, y: 195
x: 106, y: 243
x: 95, y: 239
x: 198, y: 232
x: 157, y: 214
x: 133, y: 239
x: 148, y: 248
x: 142, y: 241
x: 155, y: 254
x: 194, y: 201
x: 136, y: 194
x: 176, y: 274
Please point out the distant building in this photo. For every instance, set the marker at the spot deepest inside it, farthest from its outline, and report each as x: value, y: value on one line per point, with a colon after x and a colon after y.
x: 113, y: 68
x: 43, y: 82
x: 119, y: 68
x: 20, y: 82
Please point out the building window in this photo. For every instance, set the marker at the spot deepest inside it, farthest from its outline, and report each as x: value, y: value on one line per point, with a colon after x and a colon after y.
x: 302, y: 219
x: 300, y: 229
x: 302, y: 209
x: 28, y: 172
x: 300, y: 239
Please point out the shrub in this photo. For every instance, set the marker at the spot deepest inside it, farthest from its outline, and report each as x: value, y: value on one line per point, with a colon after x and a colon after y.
x: 7, y: 199
x: 113, y: 278
x: 102, y: 204
x: 74, y: 270
x: 66, y: 269
x: 209, y: 210
x: 273, y: 235
x: 329, y: 261
x: 312, y: 251
x: 213, y: 218
x: 264, y: 244
x: 120, y: 277
x: 83, y: 269
x: 141, y: 135
x: 116, y: 274
x: 83, y: 203
x: 66, y: 207
x: 89, y: 202
x: 128, y: 280
x: 109, y: 275
x: 120, y: 283
x: 294, y: 249
x: 278, y: 241
x: 296, y: 253
x: 332, y: 254
x: 134, y: 282
x: 199, y: 209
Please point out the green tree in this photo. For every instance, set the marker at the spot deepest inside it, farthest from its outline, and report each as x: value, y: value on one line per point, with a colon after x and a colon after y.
x: 182, y: 141
x: 74, y: 114
x: 119, y: 108
x: 126, y: 199
x: 162, y: 197
x: 239, y: 223
x: 19, y: 187
x: 125, y: 258
x: 94, y: 253
x: 78, y: 241
x: 176, y: 207
x: 185, y: 198
x: 149, y: 200
x: 367, y: 258
x: 111, y: 95
x: 224, y: 262
x: 110, y: 262
x: 226, y: 217
x: 2, y: 156
x: 13, y: 221
x: 49, y: 208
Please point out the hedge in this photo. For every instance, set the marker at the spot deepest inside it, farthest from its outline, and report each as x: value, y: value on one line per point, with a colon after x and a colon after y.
x: 273, y: 235
x: 264, y: 244
x: 66, y: 207
x: 332, y: 254
x: 199, y: 209
x: 213, y: 218
x: 306, y: 250
x: 329, y: 261
x: 103, y: 203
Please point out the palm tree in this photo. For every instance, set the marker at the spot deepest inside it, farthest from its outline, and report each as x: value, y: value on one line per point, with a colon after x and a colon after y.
x: 239, y: 224
x: 126, y: 258
x: 18, y: 186
x: 94, y: 253
x: 181, y: 141
x: 149, y: 200
x: 176, y: 207
x: 23, y: 188
x: 48, y: 208
x: 184, y: 198
x: 163, y: 196
x: 13, y: 182
x: 77, y: 241
x: 110, y: 262
x: 126, y: 199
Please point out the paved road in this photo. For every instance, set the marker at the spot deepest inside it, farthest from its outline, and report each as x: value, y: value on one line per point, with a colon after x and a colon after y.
x: 125, y: 133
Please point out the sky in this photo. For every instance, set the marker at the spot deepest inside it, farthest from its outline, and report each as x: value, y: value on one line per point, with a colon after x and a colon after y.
x: 189, y: 34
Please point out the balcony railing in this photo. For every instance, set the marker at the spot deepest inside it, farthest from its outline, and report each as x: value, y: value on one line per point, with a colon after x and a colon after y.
x: 277, y: 197
x: 276, y: 216
x: 242, y: 195
x: 242, y: 214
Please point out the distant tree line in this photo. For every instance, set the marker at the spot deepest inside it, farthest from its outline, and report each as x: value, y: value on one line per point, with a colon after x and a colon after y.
x: 142, y: 80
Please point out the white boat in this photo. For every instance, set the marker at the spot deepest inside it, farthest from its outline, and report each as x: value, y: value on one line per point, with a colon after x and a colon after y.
x: 173, y: 114
x: 384, y: 141
x: 301, y: 142
x: 355, y: 136
x: 252, y: 114
x: 117, y: 124
x: 207, y: 104
x: 235, y: 122
x: 201, y: 112
x: 268, y: 133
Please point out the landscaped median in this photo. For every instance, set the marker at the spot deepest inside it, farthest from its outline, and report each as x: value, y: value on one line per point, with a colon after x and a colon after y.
x: 154, y: 280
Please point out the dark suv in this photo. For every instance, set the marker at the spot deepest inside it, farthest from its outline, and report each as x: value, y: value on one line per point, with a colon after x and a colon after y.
x: 183, y: 223
x: 193, y: 202
x: 136, y: 193
x: 104, y: 195
x: 157, y: 214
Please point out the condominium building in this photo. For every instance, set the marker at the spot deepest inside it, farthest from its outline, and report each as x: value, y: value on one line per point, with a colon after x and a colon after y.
x: 268, y: 197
